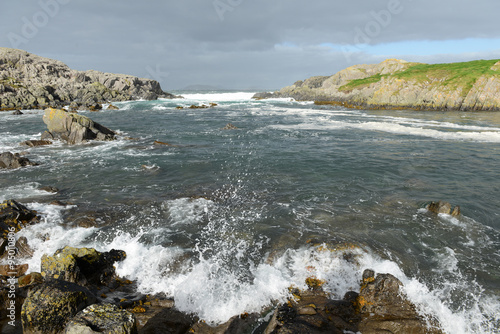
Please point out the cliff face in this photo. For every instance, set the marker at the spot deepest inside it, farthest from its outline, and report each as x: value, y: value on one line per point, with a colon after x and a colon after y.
x: 29, y: 81
x: 400, y: 84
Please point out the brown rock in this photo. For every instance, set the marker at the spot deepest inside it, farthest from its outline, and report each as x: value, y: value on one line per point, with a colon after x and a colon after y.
x: 9, y: 160
x: 35, y: 143
x: 16, y: 270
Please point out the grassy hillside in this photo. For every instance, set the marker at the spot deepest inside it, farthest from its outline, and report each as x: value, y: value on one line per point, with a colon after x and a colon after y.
x: 453, y: 75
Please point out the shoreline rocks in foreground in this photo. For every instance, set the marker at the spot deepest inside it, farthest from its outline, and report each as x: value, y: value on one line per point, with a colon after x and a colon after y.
x: 28, y: 81
x: 398, y: 84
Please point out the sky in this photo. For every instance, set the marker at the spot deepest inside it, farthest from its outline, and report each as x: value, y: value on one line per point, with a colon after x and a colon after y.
x: 248, y: 44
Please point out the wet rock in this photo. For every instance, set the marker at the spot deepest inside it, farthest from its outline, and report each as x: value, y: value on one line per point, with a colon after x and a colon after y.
x: 50, y: 306
x: 73, y: 128
x: 14, y: 216
x: 229, y: 126
x: 10, y: 160
x: 36, y: 143
x: 262, y: 96
x: 384, y: 309
x: 84, y: 266
x: 112, y: 107
x: 169, y: 321
x: 15, y: 270
x: 17, y: 112
x: 443, y: 207
x: 23, y: 249
x: 49, y: 189
x: 102, y: 318
x: 243, y: 323
x: 30, y: 279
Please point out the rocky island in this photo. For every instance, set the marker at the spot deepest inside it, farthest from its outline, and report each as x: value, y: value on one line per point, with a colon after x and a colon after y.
x: 28, y: 81
x: 398, y: 84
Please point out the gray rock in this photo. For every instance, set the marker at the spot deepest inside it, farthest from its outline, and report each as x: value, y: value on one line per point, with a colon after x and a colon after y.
x: 29, y: 81
x: 11, y: 161
x: 104, y: 319
x: 73, y: 128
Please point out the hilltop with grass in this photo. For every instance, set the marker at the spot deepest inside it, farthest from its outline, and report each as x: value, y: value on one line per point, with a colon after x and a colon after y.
x: 398, y: 84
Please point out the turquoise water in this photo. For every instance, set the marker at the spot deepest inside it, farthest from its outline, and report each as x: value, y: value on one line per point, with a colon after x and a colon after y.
x: 224, y: 221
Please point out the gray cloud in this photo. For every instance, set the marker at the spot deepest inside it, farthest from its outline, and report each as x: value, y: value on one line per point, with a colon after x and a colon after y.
x: 238, y: 43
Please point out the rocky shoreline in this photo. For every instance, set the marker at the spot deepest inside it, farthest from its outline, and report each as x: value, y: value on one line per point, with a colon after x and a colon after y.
x: 78, y: 291
x: 28, y: 81
x: 397, y: 84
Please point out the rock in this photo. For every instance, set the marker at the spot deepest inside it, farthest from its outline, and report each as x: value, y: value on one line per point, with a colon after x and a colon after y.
x: 28, y: 81
x: 229, y: 126
x: 16, y: 270
x: 12, y: 161
x: 84, y: 266
x: 14, y: 216
x: 243, y: 323
x: 169, y: 321
x: 74, y: 128
x: 30, y: 279
x: 102, y: 318
x: 112, y: 107
x: 35, y: 143
x: 50, y: 306
x: 262, y: 96
x: 49, y: 189
x: 17, y: 112
x: 443, y: 207
x: 384, y: 309
x: 23, y: 249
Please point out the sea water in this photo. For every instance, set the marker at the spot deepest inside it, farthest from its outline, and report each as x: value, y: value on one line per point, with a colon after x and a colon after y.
x: 225, y: 221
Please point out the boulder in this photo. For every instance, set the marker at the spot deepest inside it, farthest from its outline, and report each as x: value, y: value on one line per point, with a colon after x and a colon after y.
x: 243, y: 323
x: 14, y: 216
x: 14, y: 270
x: 50, y: 306
x: 73, y: 128
x: 102, y: 318
x: 17, y: 112
x: 384, y: 309
x: 84, y: 266
x: 112, y: 107
x: 169, y: 321
x: 11, y: 161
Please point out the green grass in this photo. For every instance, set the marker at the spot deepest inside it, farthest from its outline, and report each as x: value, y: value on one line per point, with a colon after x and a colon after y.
x: 451, y: 75
x: 361, y: 83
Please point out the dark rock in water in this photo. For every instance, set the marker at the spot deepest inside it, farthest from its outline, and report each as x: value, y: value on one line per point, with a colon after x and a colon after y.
x: 50, y: 306
x: 35, y: 143
x: 229, y: 126
x: 73, y: 128
x: 378, y: 308
x: 262, y: 95
x: 17, y: 112
x: 103, y: 318
x: 11, y: 161
x: 49, y: 189
x: 30, y: 279
x: 243, y: 323
x: 14, y: 216
x: 443, y: 207
x: 84, y: 266
x: 112, y: 107
x: 169, y: 321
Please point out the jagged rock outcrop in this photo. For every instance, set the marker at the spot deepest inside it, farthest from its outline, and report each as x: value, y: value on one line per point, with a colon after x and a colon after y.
x: 103, y: 318
x: 73, y: 128
x: 397, y: 84
x: 10, y: 160
x: 28, y: 81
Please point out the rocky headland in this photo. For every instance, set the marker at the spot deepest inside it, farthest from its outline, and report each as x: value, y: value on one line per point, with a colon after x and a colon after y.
x: 28, y: 81
x: 398, y: 84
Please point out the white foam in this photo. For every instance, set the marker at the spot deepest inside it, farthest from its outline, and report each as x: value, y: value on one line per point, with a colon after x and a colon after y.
x: 23, y: 190
x: 185, y: 211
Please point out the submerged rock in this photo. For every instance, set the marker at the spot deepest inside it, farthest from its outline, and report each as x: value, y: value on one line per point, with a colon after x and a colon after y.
x: 84, y: 266
x: 10, y: 160
x: 50, y: 306
x: 443, y: 207
x: 103, y: 318
x: 73, y: 128
x: 35, y: 143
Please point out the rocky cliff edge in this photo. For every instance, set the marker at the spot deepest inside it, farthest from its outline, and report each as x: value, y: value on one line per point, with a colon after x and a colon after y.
x: 28, y: 81
x: 398, y: 84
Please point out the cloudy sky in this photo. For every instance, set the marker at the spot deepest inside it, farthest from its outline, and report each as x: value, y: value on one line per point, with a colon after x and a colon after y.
x: 248, y: 44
